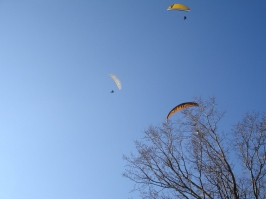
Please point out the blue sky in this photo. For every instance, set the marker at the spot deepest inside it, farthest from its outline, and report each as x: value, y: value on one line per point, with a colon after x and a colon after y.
x: 62, y: 132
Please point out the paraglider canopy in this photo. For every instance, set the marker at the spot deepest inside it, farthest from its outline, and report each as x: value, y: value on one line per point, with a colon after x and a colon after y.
x: 180, y: 107
x: 179, y: 7
x: 117, y: 81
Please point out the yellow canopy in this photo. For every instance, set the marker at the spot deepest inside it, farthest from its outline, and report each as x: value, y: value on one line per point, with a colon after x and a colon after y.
x: 180, y: 7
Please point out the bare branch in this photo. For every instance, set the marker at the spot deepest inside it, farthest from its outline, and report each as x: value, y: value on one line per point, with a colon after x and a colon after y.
x: 190, y: 159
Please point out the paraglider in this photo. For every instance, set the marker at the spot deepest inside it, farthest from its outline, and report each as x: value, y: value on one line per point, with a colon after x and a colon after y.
x: 117, y: 81
x: 180, y: 107
x: 179, y: 7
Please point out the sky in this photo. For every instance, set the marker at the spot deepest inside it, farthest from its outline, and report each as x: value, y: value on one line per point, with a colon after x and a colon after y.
x: 63, y: 134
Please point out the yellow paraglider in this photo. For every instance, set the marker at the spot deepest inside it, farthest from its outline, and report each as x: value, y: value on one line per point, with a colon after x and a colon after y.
x: 179, y: 7
x: 180, y: 107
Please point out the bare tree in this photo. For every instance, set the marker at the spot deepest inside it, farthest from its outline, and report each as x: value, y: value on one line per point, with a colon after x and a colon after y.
x: 193, y: 158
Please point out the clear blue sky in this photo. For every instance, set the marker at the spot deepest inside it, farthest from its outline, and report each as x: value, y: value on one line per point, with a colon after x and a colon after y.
x: 62, y: 134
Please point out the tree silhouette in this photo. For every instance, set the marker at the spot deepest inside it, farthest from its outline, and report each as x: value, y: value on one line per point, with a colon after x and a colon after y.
x: 193, y: 158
